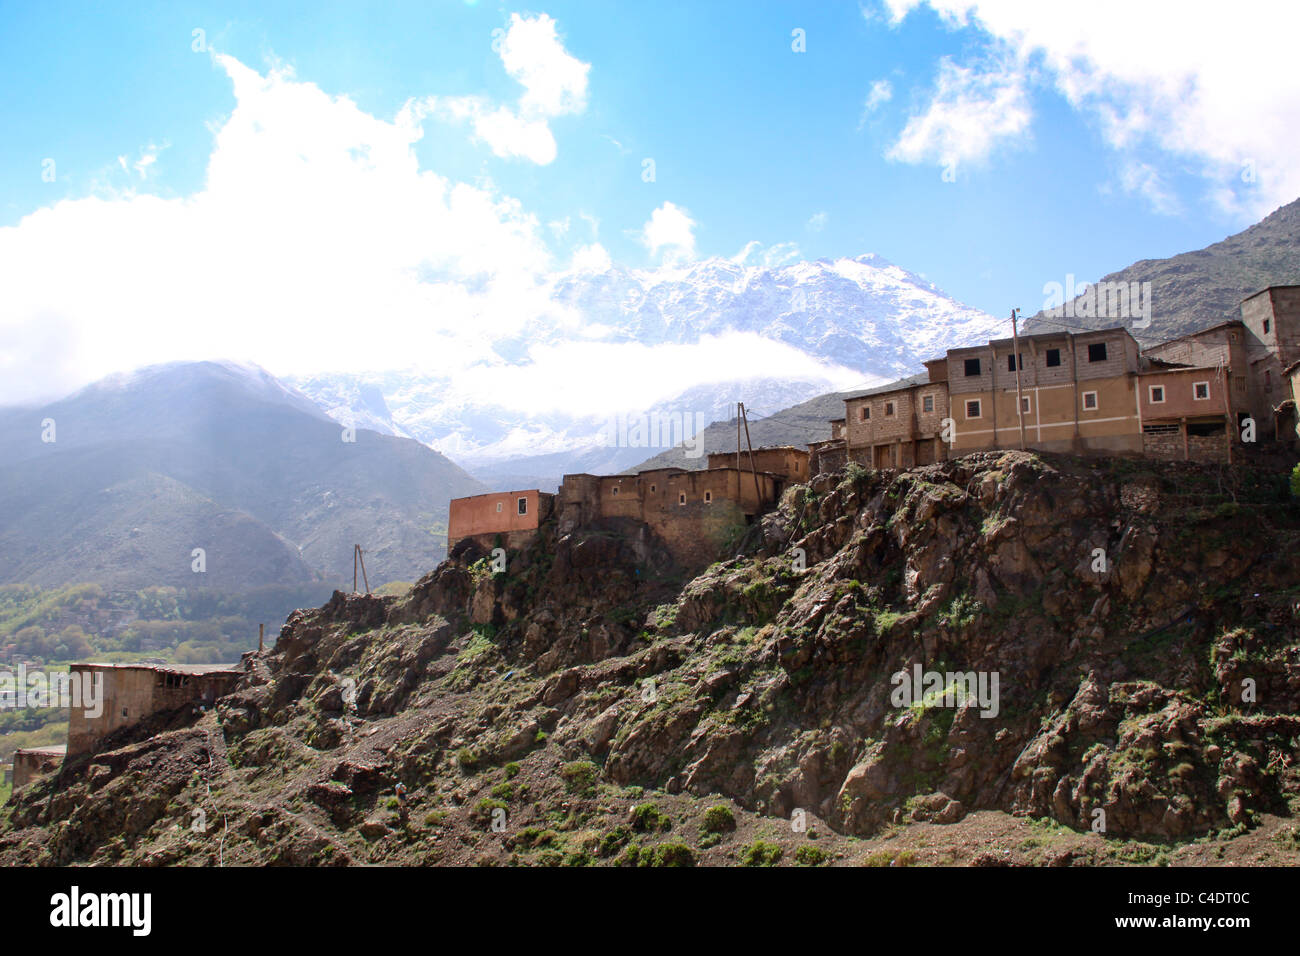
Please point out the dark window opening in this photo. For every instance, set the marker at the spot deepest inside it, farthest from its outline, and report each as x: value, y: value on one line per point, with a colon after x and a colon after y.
x: 1204, y: 429
x: 1097, y: 352
x: 1267, y: 325
x: 973, y: 409
x: 972, y: 366
x: 927, y: 403
x: 1012, y: 362
x: 865, y: 413
x: 889, y: 408
x: 1053, y: 358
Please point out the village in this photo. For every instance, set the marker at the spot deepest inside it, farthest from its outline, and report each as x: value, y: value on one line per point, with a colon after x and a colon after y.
x: 1221, y: 394
x: 1216, y: 395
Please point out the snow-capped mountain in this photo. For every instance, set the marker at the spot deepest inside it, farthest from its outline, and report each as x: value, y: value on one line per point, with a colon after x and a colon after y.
x: 773, y: 336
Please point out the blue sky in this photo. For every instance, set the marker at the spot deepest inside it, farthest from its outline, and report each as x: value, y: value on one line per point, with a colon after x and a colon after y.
x: 990, y: 146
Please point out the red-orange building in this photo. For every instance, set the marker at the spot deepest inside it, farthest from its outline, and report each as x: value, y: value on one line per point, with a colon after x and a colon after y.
x: 514, y: 515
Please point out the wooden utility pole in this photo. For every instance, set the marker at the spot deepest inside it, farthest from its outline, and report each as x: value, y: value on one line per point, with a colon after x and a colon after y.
x: 358, y: 559
x: 739, y: 406
x: 753, y: 470
x: 261, y: 637
x: 1015, y: 357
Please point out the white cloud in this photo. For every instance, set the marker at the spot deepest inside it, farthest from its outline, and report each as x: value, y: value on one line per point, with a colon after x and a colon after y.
x: 1143, y: 179
x: 881, y: 92
x: 316, y: 242
x: 592, y: 258
x: 671, y: 229
x: 554, y: 84
x: 817, y: 221
x: 971, y: 111
x: 1197, y: 80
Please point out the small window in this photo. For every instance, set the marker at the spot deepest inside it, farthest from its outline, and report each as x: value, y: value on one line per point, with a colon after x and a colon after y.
x: 973, y: 408
x: 1267, y: 326
x: 1053, y: 358
x: 1200, y: 391
x: 681, y: 498
x: 927, y: 403
x: 1097, y: 352
x: 1025, y: 405
x: 708, y: 497
x: 889, y: 409
x: 523, y: 506
x: 614, y: 491
x: 1089, y: 401
x: 1157, y: 394
x: 864, y: 414
x: 500, y: 506
x: 972, y: 367
x: 1239, y: 383
x: 123, y: 711
x: 1232, y: 336
x: 1012, y: 363
x: 652, y: 489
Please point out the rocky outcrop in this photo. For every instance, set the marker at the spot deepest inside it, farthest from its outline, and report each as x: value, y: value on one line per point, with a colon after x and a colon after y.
x: 1094, y: 642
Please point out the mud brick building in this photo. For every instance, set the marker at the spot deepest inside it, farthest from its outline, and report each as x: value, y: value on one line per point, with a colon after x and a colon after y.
x: 512, y: 517
x: 693, y: 513
x: 899, y: 425
x: 33, y: 762
x: 1093, y: 392
x: 133, y: 692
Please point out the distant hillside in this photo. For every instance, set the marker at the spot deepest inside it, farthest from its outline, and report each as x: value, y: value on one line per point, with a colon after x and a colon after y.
x: 797, y: 425
x: 1197, y: 289
x: 146, y: 467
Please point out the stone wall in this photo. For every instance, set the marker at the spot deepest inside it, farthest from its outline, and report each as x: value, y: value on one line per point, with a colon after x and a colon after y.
x: 35, y: 762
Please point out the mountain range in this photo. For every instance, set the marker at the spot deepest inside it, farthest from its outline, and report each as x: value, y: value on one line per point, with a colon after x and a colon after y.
x: 122, y: 481
x: 857, y: 320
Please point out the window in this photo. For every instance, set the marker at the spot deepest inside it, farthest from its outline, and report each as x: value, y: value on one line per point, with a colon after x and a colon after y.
x: 1053, y: 358
x: 1268, y: 379
x: 1267, y: 325
x: 1157, y: 394
x: 1089, y: 401
x: 865, y: 413
x: 1200, y: 391
x: 499, y: 506
x: 1097, y: 352
x: 889, y: 408
x: 1239, y: 383
x: 523, y: 506
x: 708, y: 497
x: 614, y: 491
x: 652, y: 489
x: 1012, y: 363
x: 972, y: 367
x: 123, y: 711
x: 681, y: 498
x: 973, y: 408
x: 927, y: 403
x: 1025, y: 406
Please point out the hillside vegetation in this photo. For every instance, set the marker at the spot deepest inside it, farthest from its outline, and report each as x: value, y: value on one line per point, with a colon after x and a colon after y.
x: 595, y: 705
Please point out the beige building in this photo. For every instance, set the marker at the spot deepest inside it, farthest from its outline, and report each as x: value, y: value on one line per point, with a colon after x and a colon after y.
x: 1078, y: 393
x: 899, y: 425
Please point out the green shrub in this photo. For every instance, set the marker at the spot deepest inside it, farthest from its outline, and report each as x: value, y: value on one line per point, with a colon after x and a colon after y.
x: 760, y: 853
x: 647, y: 818
x: 1295, y: 481
x: 613, y: 841
x: 673, y: 854
x: 811, y: 856
x: 719, y: 819
x: 580, y: 777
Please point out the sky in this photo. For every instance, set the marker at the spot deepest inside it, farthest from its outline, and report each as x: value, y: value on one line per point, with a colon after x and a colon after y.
x: 335, y: 186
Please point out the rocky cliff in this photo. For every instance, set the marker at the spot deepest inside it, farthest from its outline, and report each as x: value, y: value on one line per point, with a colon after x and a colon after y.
x: 1129, y: 630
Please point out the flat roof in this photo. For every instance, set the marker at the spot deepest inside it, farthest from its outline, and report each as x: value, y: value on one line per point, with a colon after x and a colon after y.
x: 1198, y: 332
x: 192, y: 669
x: 497, y: 494
x: 1269, y: 288
x: 52, y: 750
